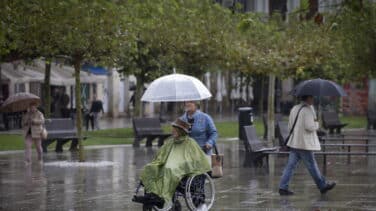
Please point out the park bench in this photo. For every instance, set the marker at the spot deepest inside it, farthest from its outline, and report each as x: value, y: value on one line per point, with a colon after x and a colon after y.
x: 2, y: 124
x: 331, y: 122
x: 61, y: 130
x: 371, y: 119
x: 149, y: 128
x: 257, y: 151
x: 255, y: 148
x: 277, y: 117
x: 283, y: 131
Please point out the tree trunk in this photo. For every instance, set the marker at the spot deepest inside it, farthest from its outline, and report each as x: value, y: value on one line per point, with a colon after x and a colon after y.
x: 271, y: 99
x: 261, y: 102
x: 138, y: 108
x: 77, y: 69
x: 1, y: 87
x: 47, y: 90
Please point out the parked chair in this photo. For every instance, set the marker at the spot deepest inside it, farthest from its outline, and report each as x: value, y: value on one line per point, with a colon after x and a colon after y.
x: 331, y: 122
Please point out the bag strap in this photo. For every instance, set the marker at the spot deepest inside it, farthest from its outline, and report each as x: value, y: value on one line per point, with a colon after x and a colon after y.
x: 215, y: 149
x: 293, y: 125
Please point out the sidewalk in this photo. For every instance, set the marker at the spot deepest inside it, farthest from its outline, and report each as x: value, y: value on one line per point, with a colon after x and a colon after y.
x: 109, y: 176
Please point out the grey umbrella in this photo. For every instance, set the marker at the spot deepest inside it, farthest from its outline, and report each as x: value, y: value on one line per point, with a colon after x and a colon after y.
x: 19, y: 102
x: 318, y: 87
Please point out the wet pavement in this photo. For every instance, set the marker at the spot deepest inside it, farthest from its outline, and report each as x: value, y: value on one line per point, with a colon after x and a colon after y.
x: 110, y: 182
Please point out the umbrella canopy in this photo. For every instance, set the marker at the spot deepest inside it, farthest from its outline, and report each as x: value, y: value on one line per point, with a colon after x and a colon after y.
x: 176, y: 88
x: 318, y: 87
x: 19, y: 102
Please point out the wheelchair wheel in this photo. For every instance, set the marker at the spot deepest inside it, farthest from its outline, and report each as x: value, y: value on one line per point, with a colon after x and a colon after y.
x: 199, y: 190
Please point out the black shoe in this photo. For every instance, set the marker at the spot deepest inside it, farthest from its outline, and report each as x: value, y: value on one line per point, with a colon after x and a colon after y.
x: 139, y: 199
x: 155, y: 199
x: 284, y: 192
x: 149, y: 199
x: 328, y: 187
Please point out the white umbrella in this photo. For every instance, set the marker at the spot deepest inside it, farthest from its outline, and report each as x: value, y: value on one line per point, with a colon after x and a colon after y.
x: 176, y: 88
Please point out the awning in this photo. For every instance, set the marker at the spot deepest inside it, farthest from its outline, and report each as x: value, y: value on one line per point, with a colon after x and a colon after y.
x: 61, y: 75
x: 94, y: 70
x: 19, y: 73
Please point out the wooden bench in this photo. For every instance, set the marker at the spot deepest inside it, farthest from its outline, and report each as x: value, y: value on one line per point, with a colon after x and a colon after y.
x: 325, y: 154
x: 149, y: 128
x: 283, y: 131
x: 331, y: 122
x: 371, y: 120
x: 256, y: 150
x: 61, y: 130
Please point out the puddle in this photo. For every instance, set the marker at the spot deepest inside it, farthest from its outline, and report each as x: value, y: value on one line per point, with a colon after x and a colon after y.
x: 81, y: 164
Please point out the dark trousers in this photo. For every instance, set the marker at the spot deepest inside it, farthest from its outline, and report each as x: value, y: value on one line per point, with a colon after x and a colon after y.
x: 89, y: 118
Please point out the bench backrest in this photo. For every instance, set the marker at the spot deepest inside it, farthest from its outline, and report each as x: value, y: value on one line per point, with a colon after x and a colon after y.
x: 371, y: 116
x: 252, y: 142
x: 277, y: 117
x: 60, y: 124
x: 330, y: 118
x: 60, y: 128
x: 282, y: 131
x: 146, y: 126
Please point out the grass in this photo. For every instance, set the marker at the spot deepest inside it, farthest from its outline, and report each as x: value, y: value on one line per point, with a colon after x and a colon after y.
x: 227, y: 129
x: 354, y: 121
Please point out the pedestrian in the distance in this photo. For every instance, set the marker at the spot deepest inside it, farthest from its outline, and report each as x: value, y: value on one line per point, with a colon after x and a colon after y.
x: 96, y: 108
x: 303, y: 142
x: 32, y: 124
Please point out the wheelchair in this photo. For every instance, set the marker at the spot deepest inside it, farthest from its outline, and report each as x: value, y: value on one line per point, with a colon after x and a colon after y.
x: 196, y: 191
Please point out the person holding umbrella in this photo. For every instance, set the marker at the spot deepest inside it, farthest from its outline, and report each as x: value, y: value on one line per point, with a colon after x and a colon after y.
x: 32, y: 124
x: 202, y: 127
x: 302, y: 142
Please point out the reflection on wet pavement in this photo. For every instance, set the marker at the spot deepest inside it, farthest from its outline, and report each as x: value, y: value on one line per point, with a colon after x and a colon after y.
x: 110, y: 182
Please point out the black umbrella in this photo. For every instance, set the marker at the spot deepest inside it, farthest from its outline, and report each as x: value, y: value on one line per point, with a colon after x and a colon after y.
x: 318, y: 87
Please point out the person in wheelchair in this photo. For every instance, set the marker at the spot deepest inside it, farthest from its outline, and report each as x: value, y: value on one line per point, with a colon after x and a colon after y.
x: 178, y: 158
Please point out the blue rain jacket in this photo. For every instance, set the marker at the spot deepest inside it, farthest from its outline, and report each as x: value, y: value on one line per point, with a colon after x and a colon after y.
x: 203, y: 129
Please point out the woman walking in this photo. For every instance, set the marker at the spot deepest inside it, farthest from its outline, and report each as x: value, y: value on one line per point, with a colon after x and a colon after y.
x: 32, y: 124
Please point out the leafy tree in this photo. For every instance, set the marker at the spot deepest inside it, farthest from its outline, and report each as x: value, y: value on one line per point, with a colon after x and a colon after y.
x: 354, y: 30
x: 76, y: 29
x: 284, y: 49
x: 90, y: 31
x: 35, y: 35
x: 190, y: 36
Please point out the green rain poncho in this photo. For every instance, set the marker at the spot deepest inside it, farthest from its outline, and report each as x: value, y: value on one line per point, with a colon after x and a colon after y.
x: 176, y: 159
